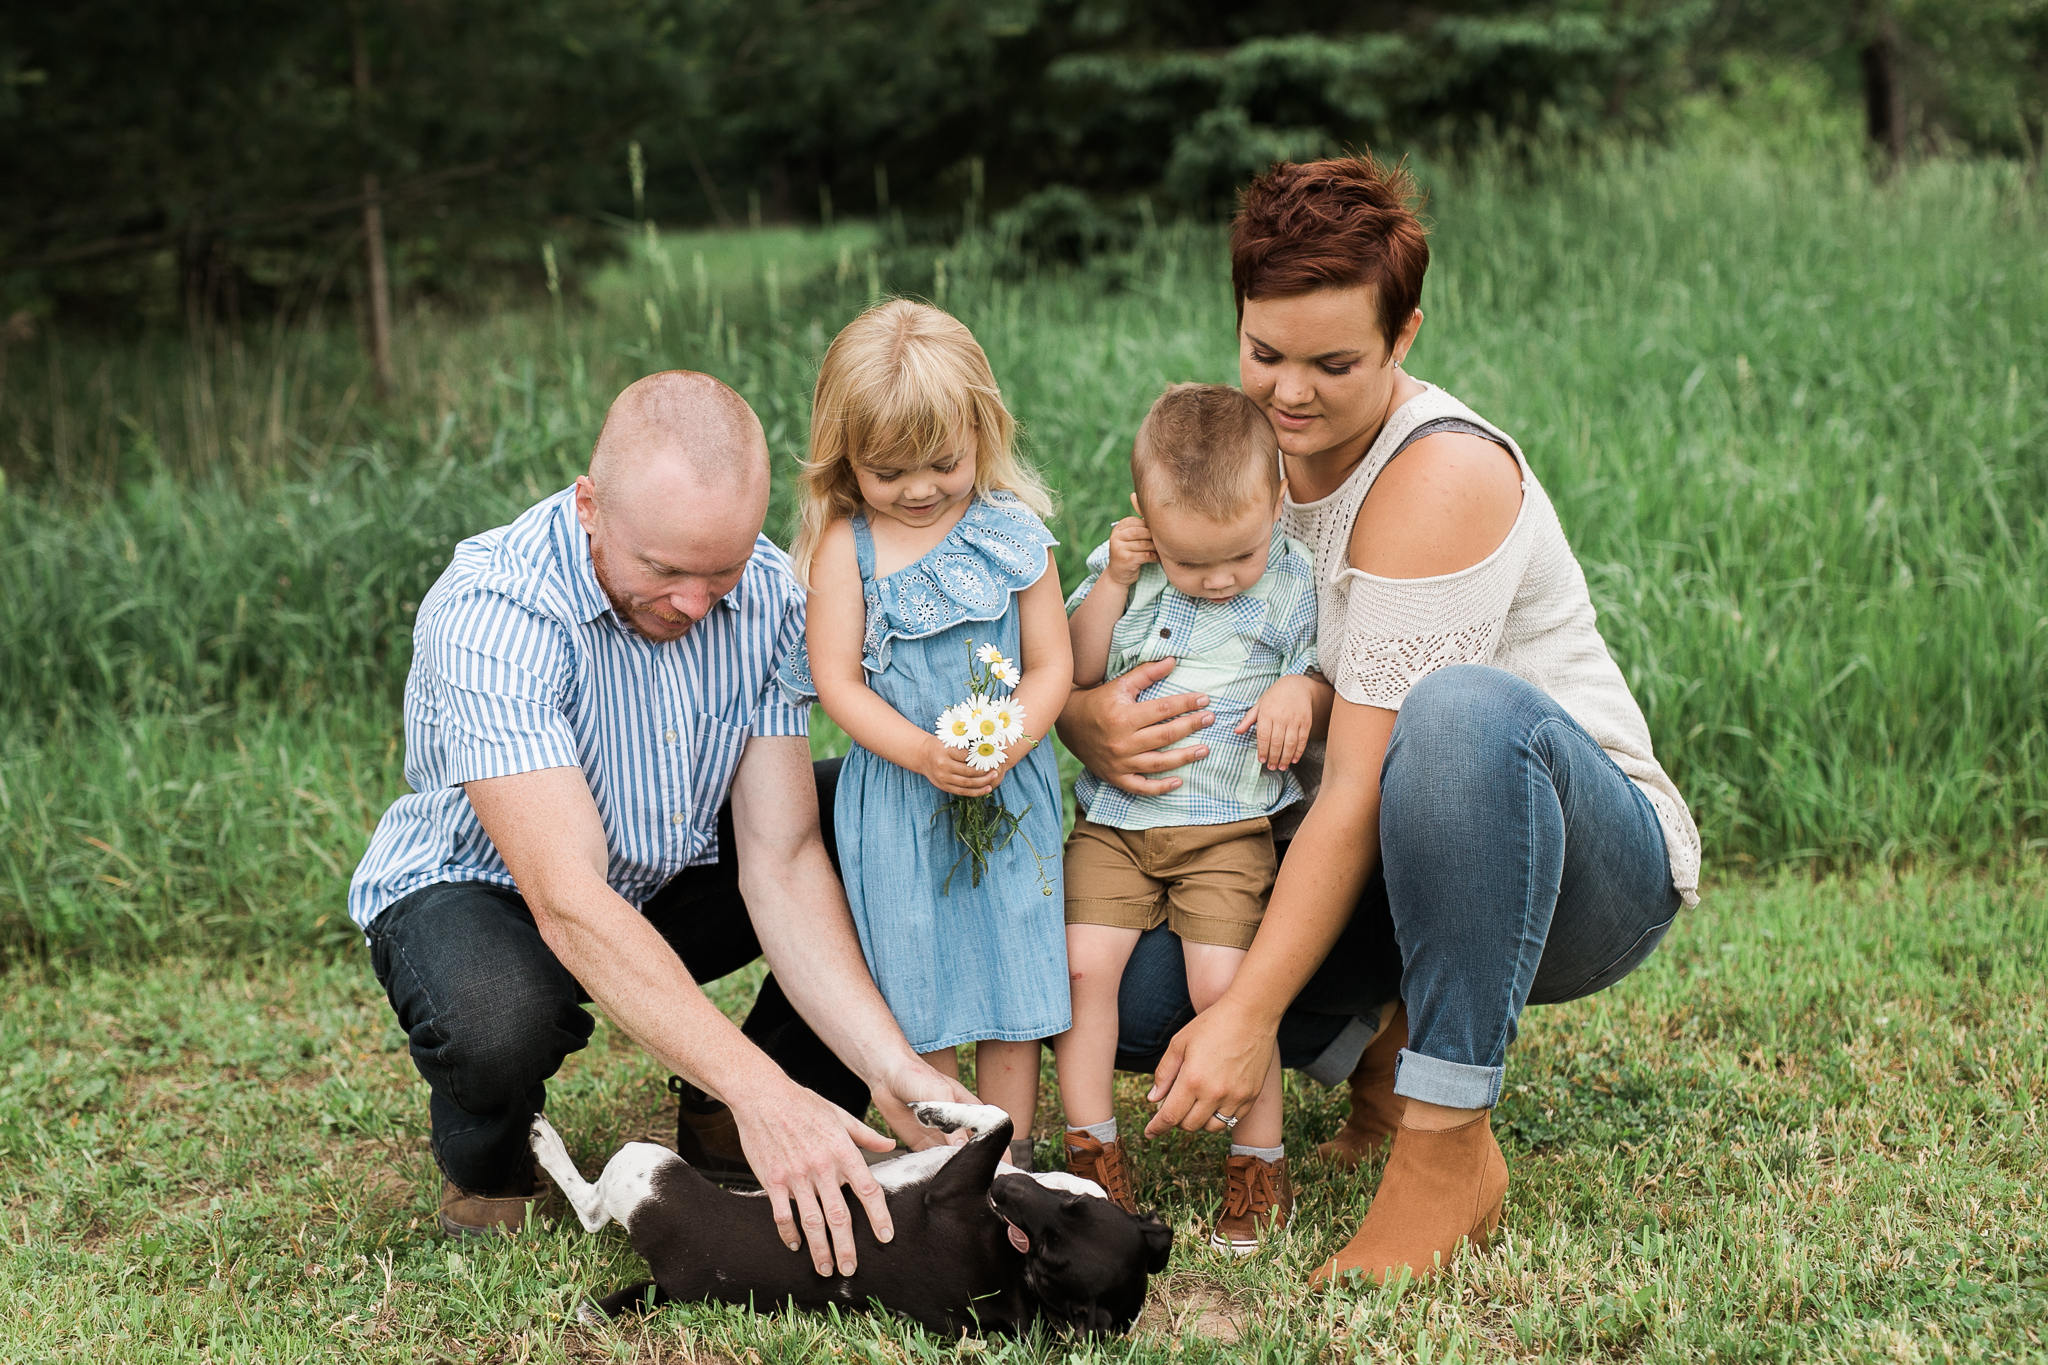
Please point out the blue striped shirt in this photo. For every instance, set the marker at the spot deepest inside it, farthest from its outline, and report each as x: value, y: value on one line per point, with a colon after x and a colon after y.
x: 520, y: 664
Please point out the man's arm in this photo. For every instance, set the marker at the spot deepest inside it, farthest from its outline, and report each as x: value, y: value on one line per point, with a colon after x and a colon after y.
x: 806, y: 931
x: 546, y: 827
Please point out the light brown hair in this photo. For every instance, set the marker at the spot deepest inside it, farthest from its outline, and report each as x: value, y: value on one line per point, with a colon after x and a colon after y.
x: 1208, y: 449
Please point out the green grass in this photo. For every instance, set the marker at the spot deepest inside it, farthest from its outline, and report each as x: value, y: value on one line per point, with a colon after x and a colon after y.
x: 1794, y: 423
x: 1810, y: 1128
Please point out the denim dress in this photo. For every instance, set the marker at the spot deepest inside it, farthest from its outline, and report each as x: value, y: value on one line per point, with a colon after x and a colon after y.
x: 967, y: 963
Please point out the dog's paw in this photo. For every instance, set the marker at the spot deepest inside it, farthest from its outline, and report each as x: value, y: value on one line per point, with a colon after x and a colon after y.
x: 590, y: 1315
x: 978, y: 1118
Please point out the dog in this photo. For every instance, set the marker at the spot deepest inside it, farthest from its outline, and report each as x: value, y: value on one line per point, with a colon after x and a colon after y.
x: 975, y: 1250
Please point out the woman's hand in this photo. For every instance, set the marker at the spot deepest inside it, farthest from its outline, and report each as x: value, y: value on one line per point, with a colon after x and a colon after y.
x: 1216, y: 1065
x: 1120, y: 739
x: 950, y: 772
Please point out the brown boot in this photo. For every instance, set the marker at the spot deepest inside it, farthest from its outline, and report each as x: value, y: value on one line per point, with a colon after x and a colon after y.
x: 1103, y: 1163
x: 709, y: 1139
x: 498, y: 1214
x: 1258, y: 1199
x: 1375, y: 1112
x: 1440, y: 1189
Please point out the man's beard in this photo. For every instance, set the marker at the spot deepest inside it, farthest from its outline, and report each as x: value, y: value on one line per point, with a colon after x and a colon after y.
x: 623, y: 607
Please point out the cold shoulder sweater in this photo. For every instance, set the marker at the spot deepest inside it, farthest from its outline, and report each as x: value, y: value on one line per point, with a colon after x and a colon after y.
x: 1524, y: 609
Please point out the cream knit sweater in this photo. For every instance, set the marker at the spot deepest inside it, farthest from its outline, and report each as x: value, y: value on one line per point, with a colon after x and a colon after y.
x: 1524, y: 608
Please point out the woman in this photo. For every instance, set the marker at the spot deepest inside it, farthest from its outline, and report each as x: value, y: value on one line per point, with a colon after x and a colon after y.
x: 1491, y: 828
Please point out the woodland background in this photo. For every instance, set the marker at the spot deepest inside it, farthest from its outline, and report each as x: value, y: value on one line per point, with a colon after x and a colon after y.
x: 213, y: 161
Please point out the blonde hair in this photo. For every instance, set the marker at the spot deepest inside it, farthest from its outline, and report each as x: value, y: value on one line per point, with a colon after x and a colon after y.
x: 895, y: 385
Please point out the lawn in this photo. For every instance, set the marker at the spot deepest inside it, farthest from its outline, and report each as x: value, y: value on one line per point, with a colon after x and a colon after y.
x: 1793, y: 422
x: 1811, y: 1128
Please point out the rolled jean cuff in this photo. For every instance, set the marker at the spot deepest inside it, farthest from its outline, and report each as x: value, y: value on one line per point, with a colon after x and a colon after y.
x: 1335, y: 1063
x: 1454, y: 1085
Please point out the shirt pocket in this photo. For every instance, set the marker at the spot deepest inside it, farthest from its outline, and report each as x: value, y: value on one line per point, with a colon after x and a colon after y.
x: 715, y: 749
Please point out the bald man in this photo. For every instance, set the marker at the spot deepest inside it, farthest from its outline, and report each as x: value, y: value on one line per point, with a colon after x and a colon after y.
x: 612, y: 802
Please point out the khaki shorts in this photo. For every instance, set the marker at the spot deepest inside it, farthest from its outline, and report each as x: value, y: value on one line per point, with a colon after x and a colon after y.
x: 1209, y: 882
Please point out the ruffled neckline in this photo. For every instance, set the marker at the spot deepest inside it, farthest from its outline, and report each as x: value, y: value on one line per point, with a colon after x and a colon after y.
x: 998, y: 548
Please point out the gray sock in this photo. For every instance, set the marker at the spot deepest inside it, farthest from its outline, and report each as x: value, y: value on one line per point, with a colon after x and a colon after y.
x: 1103, y: 1132
x: 1262, y: 1153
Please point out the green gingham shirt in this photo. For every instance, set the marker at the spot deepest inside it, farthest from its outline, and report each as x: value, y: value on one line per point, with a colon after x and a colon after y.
x: 1233, y: 651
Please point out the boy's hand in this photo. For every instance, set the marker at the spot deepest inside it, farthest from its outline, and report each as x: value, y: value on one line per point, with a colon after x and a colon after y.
x: 1284, y: 715
x: 948, y: 770
x: 1130, y: 549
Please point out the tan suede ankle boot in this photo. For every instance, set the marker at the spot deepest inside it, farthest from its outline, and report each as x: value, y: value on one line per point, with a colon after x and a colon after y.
x: 1440, y: 1189
x: 1375, y: 1112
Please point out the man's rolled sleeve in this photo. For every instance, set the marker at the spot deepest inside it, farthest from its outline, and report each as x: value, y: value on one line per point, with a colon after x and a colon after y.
x: 495, y: 671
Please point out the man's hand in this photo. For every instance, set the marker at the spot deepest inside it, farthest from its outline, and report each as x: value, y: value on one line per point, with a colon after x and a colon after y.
x: 802, y: 1149
x: 915, y: 1080
x: 1121, y: 739
x: 1284, y: 714
x: 1130, y: 550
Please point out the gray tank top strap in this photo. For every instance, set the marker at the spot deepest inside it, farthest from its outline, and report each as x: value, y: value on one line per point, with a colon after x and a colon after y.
x: 1458, y: 424
x: 863, y: 546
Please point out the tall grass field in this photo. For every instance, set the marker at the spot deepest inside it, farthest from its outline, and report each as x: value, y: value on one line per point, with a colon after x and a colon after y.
x: 1794, y: 422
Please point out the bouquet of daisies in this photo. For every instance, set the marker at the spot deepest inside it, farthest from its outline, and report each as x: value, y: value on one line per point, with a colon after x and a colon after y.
x: 985, y: 725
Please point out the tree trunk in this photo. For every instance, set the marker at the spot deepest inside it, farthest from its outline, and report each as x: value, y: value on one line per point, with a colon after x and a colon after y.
x: 378, y: 275
x: 379, y: 282
x: 1884, y: 104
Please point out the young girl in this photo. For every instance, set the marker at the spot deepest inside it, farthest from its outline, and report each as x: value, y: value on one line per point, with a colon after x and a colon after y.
x: 922, y: 542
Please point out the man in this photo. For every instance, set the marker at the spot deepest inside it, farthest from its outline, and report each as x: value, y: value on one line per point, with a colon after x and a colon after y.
x: 613, y: 801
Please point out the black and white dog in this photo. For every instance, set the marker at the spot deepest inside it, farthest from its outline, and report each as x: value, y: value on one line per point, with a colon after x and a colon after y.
x: 974, y: 1250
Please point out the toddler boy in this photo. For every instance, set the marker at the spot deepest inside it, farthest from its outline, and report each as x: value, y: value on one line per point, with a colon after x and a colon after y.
x: 1201, y: 575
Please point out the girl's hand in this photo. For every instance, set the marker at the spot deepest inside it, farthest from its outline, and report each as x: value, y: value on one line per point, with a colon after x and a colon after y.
x: 1284, y: 715
x: 1130, y: 549
x: 947, y: 769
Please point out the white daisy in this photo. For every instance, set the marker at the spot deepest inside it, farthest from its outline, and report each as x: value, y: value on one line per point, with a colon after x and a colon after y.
x: 956, y: 726
x: 983, y: 722
x: 1009, y: 713
x: 986, y: 756
x: 989, y: 654
x: 1003, y: 671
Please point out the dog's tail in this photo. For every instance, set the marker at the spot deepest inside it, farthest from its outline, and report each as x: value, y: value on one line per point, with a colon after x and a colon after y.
x: 554, y: 1159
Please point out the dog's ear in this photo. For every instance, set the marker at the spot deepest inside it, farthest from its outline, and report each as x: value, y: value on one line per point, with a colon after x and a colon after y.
x: 1158, y: 1242
x: 972, y: 1170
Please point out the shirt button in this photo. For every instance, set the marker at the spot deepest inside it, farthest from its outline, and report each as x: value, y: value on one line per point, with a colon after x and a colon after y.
x: 676, y: 819
x: 670, y: 736
x: 1166, y: 632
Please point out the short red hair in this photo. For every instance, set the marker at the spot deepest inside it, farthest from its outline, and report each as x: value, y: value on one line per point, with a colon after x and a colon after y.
x: 1331, y: 225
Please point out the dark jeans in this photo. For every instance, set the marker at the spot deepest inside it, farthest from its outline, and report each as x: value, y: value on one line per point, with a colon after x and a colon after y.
x: 491, y: 1013
x: 1518, y: 866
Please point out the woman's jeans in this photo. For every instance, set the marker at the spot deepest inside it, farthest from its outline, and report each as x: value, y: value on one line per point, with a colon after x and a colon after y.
x: 491, y: 1013
x: 1517, y: 866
